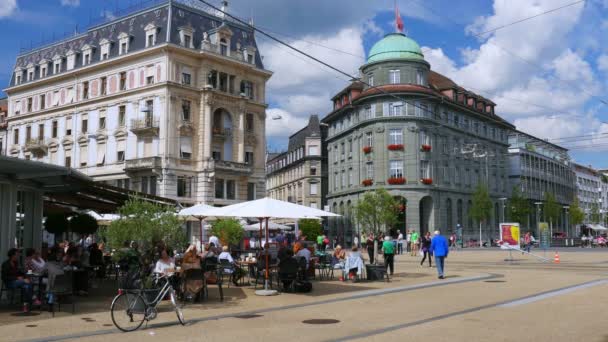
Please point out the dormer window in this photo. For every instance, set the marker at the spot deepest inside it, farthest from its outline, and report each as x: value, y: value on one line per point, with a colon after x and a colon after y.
x: 30, y: 72
x: 87, y: 53
x: 18, y: 81
x: 56, y: 64
x: 124, y: 40
x: 105, y: 44
x: 249, y: 55
x: 224, y: 47
x: 44, y: 68
x: 71, y: 59
x: 18, y: 75
x: 151, y: 30
x: 185, y: 36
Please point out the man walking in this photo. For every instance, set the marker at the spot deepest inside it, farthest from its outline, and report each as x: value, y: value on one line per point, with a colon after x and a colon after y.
x: 408, y: 241
x: 388, y: 250
x: 400, y: 243
x: 414, y: 243
x: 439, y: 248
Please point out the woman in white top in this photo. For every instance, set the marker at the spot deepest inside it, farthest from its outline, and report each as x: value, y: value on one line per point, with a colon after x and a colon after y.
x: 165, y: 264
x: 236, y: 272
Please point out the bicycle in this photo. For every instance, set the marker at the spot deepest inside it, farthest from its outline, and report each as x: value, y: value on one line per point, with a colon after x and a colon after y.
x: 131, y: 309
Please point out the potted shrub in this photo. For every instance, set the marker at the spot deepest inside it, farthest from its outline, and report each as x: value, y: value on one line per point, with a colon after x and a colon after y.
x: 367, y: 149
x: 367, y: 182
x: 427, y: 181
x: 396, y: 180
x: 425, y: 148
x: 395, y: 147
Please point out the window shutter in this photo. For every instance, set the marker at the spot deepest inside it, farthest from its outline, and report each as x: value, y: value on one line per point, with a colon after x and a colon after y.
x: 385, y: 109
x: 186, y: 145
x: 121, y: 145
x: 101, y: 153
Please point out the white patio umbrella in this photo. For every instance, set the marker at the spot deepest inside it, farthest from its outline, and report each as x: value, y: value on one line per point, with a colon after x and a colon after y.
x: 200, y: 212
x: 103, y: 219
x: 597, y: 227
x: 264, y: 209
x: 271, y: 226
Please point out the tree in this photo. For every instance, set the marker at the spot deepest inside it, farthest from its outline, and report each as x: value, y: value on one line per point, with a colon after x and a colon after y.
x: 56, y: 224
x: 481, y: 207
x: 83, y: 224
x: 552, y: 210
x: 229, y: 231
x: 147, y: 223
x: 576, y: 213
x: 376, y: 212
x: 310, y: 228
x: 594, y: 215
x: 519, y: 207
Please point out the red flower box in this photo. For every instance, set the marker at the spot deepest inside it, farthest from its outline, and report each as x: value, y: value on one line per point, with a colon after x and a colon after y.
x: 367, y: 149
x: 367, y: 182
x: 396, y: 180
x: 425, y: 148
x: 395, y: 147
x: 427, y: 181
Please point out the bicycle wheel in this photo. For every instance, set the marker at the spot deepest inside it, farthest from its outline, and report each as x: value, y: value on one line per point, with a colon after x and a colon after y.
x: 178, y: 310
x: 128, y: 311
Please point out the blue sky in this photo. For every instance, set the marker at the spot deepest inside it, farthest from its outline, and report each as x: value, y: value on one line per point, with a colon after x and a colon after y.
x: 548, y: 75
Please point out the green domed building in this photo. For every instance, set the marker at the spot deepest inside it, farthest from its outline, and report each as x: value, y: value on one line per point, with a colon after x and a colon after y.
x: 421, y: 136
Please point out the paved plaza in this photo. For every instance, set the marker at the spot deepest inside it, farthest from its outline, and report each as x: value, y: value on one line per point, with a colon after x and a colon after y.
x: 483, y: 298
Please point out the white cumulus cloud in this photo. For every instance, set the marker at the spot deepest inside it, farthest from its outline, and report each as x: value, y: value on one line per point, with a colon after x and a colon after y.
x: 70, y: 3
x: 7, y: 7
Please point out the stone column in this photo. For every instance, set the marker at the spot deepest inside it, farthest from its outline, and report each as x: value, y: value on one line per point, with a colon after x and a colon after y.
x: 240, y: 138
x: 8, y: 208
x: 413, y: 213
x: 206, y: 120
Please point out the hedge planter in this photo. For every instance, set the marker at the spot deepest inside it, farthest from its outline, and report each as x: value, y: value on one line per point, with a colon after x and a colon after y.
x: 396, y: 180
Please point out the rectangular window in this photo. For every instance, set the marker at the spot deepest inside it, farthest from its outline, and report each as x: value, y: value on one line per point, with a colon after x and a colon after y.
x: 123, y: 48
x: 350, y: 177
x: 152, y: 185
x: 395, y: 108
x: 103, y: 82
x: 419, y: 77
x: 249, y: 122
x: 185, y: 110
x: 247, y: 89
x: 230, y: 189
x: 369, y: 170
x: 28, y: 133
x: 123, y: 80
x: 395, y: 136
x: 68, y: 126
x: 121, y: 115
x: 313, y: 150
x: 216, y: 155
x: 16, y: 136
x: 249, y: 158
x: 102, y: 120
x: 251, y: 191
x: 54, y: 129
x: 68, y: 161
x: 85, y: 90
x: 336, y: 181
x: 150, y: 41
x: 186, y: 78
x: 394, y: 76
x: 83, y: 155
x: 425, y: 169
x: 313, y: 188
x: 370, y: 80
x: 212, y: 79
x: 101, y: 154
x: 396, y: 169
x: 42, y: 101
x: 223, y: 82
x: 40, y: 131
x: 219, y: 188
x: 184, y: 186
x: 120, y: 156
x: 186, y: 147
x: 29, y: 104
x: 85, y: 125
x: 368, y: 112
x: 313, y: 170
x: 369, y: 139
x: 187, y: 40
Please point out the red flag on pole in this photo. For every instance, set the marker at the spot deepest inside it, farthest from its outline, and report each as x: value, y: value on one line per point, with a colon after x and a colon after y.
x: 398, y: 20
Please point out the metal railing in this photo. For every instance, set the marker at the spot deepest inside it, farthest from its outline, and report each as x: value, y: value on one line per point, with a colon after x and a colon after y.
x: 143, y: 163
x: 139, y: 124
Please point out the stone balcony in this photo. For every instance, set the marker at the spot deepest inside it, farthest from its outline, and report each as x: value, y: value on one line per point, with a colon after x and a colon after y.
x: 145, y: 127
x: 224, y: 165
x: 143, y: 164
x: 36, y: 146
x: 220, y: 132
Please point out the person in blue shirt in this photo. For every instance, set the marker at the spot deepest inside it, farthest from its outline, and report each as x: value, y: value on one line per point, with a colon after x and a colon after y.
x: 439, y: 248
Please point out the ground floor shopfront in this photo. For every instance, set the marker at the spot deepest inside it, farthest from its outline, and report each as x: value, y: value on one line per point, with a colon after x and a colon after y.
x: 420, y: 210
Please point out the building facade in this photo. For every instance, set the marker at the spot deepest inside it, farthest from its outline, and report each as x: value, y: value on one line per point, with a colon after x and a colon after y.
x: 299, y: 175
x: 537, y: 167
x: 589, y: 190
x: 168, y: 100
x: 418, y: 134
x: 3, y: 124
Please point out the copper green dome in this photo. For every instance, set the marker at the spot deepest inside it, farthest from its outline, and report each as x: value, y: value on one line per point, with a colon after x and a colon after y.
x: 395, y: 46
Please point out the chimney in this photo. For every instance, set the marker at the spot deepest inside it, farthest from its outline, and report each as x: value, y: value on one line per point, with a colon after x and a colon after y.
x: 224, y: 8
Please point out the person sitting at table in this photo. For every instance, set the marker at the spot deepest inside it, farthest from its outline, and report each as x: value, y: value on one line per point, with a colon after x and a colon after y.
x: 353, y: 264
x: 96, y: 259
x: 287, y: 266
x: 304, y: 252
x: 34, y: 262
x: 339, y: 256
x: 236, y: 271
x: 54, y: 268
x: 164, y: 265
x: 191, y: 261
x: 14, y: 278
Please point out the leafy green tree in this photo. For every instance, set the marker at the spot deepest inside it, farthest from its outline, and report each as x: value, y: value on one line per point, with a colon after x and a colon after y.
x: 147, y: 223
x: 376, y: 212
x: 594, y: 215
x: 481, y: 207
x: 577, y: 216
x: 56, y: 224
x: 551, y: 209
x: 519, y: 207
x: 310, y: 228
x: 229, y: 231
x: 83, y: 224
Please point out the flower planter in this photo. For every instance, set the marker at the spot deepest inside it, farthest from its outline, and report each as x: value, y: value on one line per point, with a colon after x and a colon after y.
x: 367, y: 149
x: 395, y: 147
x: 367, y: 182
x: 396, y: 180
x: 425, y: 148
x: 427, y: 181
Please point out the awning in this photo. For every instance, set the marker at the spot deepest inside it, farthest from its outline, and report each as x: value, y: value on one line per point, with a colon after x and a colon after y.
x: 597, y: 227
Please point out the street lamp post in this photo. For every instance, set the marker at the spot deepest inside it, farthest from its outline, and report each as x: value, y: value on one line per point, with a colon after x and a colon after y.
x: 503, y: 200
x: 538, y: 204
x: 567, y: 226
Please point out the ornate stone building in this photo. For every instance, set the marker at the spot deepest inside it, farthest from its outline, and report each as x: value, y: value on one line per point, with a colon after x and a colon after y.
x: 168, y: 100
x: 299, y: 175
x: 418, y: 134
